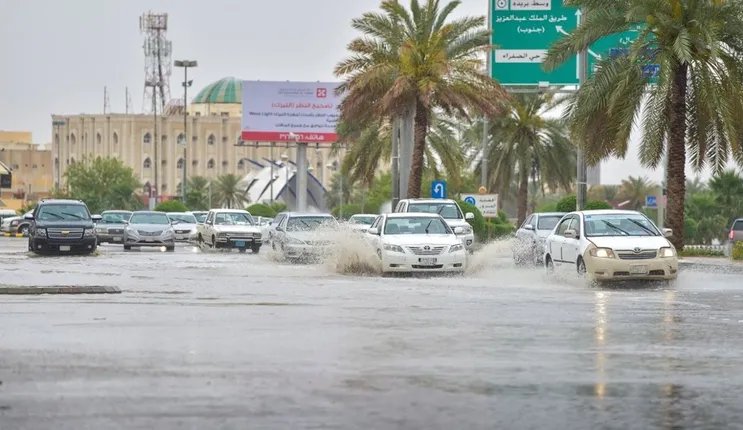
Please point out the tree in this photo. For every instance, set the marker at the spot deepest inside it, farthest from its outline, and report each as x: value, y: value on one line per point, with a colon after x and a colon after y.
x: 103, y: 183
x: 695, y: 103
x: 227, y: 193
x: 416, y: 61
x: 727, y: 189
x: 528, y: 145
x: 197, y: 194
x: 171, y: 206
x: 635, y: 189
x: 333, y: 194
x: 606, y: 193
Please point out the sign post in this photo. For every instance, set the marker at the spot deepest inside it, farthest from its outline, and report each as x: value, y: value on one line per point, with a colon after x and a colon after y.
x: 438, y: 189
x: 486, y: 203
x: 651, y: 202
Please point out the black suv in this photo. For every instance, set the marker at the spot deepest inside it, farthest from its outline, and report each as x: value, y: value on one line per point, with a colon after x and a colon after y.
x: 63, y: 226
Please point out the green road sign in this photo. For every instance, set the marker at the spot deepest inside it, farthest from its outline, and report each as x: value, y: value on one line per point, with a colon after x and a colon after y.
x: 523, y: 30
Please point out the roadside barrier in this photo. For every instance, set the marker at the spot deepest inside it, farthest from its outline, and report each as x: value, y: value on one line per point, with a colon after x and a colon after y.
x: 14, y: 235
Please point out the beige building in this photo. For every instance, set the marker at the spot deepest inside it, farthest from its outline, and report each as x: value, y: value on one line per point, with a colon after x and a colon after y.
x: 214, y: 127
x: 30, y: 164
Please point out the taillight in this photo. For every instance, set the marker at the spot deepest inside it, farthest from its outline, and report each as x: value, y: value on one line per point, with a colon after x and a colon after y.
x: 731, y: 235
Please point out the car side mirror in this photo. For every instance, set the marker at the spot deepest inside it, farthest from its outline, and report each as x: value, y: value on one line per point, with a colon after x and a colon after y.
x: 571, y: 234
x: 374, y: 231
x: 469, y: 215
x: 529, y: 227
x: 667, y: 232
x: 279, y: 228
x: 126, y: 222
x: 29, y: 217
x: 458, y: 230
x: 96, y: 218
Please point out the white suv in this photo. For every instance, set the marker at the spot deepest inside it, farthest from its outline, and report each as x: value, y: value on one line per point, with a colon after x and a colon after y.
x: 448, y: 209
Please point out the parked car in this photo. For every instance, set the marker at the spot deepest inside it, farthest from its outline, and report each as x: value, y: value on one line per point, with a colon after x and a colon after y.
x: 184, y: 225
x: 417, y: 242
x: 736, y: 231
x: 448, y: 209
x: 63, y: 226
x: 199, y: 215
x: 361, y: 222
x: 302, y: 236
x: 612, y: 245
x: 16, y: 224
x: 148, y: 229
x: 231, y: 229
x: 110, y: 229
x: 531, y: 236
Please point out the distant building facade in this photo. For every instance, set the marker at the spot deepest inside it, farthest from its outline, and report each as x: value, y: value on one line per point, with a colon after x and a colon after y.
x: 213, y: 133
x: 29, y: 163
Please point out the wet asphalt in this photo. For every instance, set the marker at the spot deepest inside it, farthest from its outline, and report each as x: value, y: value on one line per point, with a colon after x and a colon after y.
x: 207, y: 340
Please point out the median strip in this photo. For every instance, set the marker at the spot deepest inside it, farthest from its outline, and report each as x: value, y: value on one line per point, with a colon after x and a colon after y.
x: 92, y: 289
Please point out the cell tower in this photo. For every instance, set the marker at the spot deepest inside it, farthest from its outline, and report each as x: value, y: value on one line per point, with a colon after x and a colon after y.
x: 158, y: 64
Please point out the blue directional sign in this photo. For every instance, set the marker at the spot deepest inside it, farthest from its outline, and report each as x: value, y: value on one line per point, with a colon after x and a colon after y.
x: 651, y: 201
x: 470, y: 200
x: 438, y: 189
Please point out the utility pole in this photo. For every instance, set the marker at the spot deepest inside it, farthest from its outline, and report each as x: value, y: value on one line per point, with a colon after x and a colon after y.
x: 186, y: 83
x: 395, y: 161
x: 580, y: 179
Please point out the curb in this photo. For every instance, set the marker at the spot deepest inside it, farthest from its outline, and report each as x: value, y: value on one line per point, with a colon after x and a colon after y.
x: 14, y: 235
x: 59, y: 290
x: 708, y: 267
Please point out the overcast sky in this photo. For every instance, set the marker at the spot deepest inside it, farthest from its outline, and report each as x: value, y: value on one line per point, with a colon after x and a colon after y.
x: 58, y: 56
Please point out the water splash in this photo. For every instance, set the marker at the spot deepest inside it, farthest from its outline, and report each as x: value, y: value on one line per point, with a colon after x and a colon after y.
x: 352, y: 254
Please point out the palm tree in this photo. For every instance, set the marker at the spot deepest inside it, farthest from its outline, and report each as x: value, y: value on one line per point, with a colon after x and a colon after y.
x: 417, y: 61
x: 197, y: 193
x: 227, y: 192
x: 529, y: 146
x: 727, y: 187
x: 695, y: 103
x: 604, y: 193
x: 635, y: 189
x: 695, y: 186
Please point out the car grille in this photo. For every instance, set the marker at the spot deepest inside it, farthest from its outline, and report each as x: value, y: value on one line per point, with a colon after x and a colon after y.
x: 426, y: 250
x: 115, y: 231
x: 149, y: 233
x: 65, y: 233
x: 243, y: 235
x: 642, y: 255
x: 319, y: 242
x: 182, y: 231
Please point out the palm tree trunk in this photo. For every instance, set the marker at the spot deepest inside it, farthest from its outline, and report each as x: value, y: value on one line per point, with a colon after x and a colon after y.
x: 677, y: 158
x: 523, y: 198
x: 419, y: 149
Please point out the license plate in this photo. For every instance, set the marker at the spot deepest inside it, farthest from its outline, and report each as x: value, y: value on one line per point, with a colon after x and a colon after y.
x: 638, y: 270
x: 240, y: 244
x: 64, y: 248
x: 117, y: 239
x: 428, y: 261
x: 149, y: 239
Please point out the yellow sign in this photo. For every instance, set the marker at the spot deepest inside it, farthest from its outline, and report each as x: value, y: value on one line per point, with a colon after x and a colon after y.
x: 482, y: 190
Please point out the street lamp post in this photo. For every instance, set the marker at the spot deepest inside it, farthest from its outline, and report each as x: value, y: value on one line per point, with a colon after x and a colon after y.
x: 186, y: 83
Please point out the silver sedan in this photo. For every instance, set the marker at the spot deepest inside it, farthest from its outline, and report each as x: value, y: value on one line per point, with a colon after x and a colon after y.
x: 149, y: 228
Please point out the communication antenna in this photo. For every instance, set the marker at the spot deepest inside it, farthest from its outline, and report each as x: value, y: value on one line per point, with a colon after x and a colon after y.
x: 106, y: 103
x: 158, y: 65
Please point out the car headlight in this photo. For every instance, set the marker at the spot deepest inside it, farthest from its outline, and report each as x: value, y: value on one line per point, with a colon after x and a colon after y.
x: 667, y: 252
x: 602, y: 253
x: 169, y: 232
x: 14, y: 223
x: 89, y: 232
x: 294, y: 241
x: 221, y: 234
x: 466, y: 229
x: 393, y: 248
x: 457, y: 247
x: 130, y: 230
x: 257, y: 235
x: 101, y: 230
x: 40, y: 232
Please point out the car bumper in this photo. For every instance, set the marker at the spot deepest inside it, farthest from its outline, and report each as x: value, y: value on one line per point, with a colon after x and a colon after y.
x: 467, y: 239
x: 450, y: 262
x: 239, y: 243
x: 306, y: 251
x: 615, y: 269
x: 110, y: 238
x: 44, y: 244
x: 184, y: 237
x: 149, y: 241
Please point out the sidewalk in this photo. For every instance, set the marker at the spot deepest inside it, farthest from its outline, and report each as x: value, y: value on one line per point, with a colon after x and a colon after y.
x: 711, y: 263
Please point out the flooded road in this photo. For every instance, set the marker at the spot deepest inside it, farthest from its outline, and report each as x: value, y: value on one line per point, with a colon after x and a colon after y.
x: 239, y: 341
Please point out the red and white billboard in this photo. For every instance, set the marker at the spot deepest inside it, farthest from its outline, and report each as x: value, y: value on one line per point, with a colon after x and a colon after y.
x: 273, y: 111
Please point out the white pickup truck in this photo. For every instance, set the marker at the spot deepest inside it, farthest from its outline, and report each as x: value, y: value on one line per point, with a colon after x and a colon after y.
x: 448, y: 209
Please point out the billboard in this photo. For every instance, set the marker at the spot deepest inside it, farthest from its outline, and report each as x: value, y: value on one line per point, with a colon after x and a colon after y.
x: 273, y: 110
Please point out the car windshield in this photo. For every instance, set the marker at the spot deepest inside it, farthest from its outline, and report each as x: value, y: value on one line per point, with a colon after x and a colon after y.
x: 149, y: 218
x: 738, y: 225
x: 619, y: 225
x: 114, y: 217
x: 182, y: 218
x: 366, y: 220
x: 548, y: 222
x: 63, y: 212
x: 446, y: 210
x: 200, y: 216
x: 233, y: 218
x: 416, y: 225
x: 309, y: 223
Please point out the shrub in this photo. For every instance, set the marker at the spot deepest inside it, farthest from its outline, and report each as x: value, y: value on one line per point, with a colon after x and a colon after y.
x: 568, y: 204
x: 478, y: 224
x: 171, y: 206
x: 348, y: 210
x: 737, y: 253
x: 550, y: 207
x: 690, y: 229
x: 593, y: 205
x: 259, y: 209
x: 701, y: 252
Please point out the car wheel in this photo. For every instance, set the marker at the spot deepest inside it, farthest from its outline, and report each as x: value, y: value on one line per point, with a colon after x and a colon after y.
x: 127, y: 247
x: 23, y: 230
x: 241, y: 250
x: 256, y: 249
x: 549, y: 264
x: 214, y: 242
x: 170, y: 248
x: 581, y: 266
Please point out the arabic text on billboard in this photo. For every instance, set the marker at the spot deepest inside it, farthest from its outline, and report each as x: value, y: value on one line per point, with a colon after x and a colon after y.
x: 273, y: 110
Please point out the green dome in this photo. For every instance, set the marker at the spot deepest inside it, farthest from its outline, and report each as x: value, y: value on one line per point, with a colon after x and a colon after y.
x: 225, y: 90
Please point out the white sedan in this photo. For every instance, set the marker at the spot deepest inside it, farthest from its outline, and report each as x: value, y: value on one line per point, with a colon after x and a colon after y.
x: 417, y: 242
x: 612, y: 245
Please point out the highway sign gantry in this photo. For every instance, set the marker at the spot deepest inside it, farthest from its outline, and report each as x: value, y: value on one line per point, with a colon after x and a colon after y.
x: 523, y: 31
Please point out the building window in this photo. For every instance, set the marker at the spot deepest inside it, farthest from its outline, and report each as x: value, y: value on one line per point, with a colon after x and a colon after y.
x: 194, y: 163
x: 181, y: 139
x: 85, y: 137
x: 178, y: 188
x: 211, y: 139
x: 147, y: 163
x: 164, y: 187
x: 98, y: 138
x: 241, y: 164
x: 72, y: 160
x: 56, y: 139
x: 73, y: 139
x: 180, y: 163
x: 147, y: 138
x: 225, y: 164
x: 210, y: 164
x: 147, y: 188
x: 116, y: 139
x: 164, y: 163
x: 34, y: 166
x: 56, y: 162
